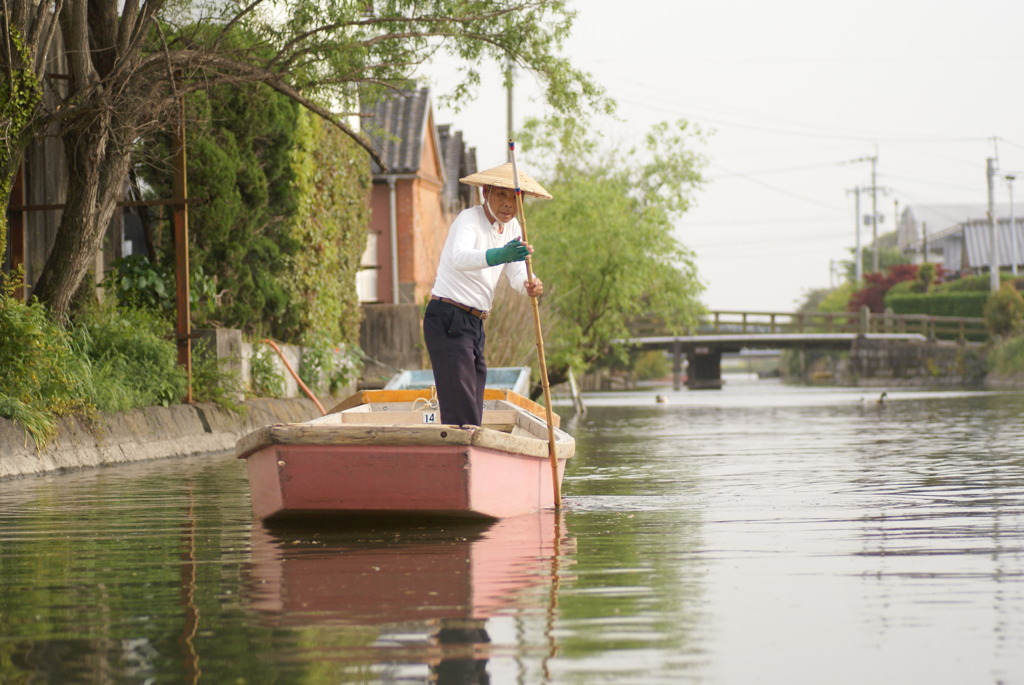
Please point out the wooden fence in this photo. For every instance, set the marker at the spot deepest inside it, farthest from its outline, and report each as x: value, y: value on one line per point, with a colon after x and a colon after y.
x: 932, y: 327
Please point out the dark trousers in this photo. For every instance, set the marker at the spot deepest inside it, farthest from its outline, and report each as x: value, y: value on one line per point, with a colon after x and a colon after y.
x: 455, y: 342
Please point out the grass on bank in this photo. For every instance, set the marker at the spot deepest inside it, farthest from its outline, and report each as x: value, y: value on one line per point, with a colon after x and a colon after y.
x: 109, y: 359
x: 1007, y: 356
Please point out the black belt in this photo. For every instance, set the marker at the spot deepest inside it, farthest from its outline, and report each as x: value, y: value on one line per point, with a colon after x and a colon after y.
x: 478, y: 313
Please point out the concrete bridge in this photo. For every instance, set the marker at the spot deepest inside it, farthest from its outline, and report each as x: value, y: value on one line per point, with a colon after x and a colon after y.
x: 724, y: 332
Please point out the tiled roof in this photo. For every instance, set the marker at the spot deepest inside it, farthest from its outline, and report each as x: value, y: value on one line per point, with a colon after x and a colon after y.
x: 396, y: 128
x: 459, y: 162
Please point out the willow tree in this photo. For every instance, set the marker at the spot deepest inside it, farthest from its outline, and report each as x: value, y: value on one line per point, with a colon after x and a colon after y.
x: 606, y: 244
x: 129, y: 63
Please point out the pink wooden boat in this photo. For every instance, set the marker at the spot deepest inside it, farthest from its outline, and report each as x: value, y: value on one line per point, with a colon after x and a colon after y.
x: 383, y: 452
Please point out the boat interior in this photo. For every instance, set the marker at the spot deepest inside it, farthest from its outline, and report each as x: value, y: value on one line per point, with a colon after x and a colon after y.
x: 499, y: 415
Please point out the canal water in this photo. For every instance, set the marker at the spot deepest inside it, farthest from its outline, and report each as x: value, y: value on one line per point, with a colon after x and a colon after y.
x: 757, y: 534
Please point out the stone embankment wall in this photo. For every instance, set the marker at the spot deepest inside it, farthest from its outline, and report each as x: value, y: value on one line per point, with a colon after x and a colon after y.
x: 141, y: 434
x: 162, y: 432
x: 936, y: 363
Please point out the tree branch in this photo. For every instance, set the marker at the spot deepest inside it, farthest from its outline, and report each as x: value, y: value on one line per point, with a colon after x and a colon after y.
x: 46, y: 34
x: 245, y: 11
x: 238, y: 72
x: 124, y: 30
x: 282, y: 87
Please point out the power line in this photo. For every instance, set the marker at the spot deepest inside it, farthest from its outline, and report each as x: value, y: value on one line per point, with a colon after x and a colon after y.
x: 826, y: 132
x: 750, y: 222
x: 782, y: 170
x: 814, y: 60
x: 1011, y: 143
x: 773, y: 240
x: 781, y: 190
x: 929, y: 182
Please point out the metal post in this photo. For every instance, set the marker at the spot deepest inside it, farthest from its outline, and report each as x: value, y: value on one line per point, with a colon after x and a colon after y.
x: 858, y: 267
x: 896, y: 217
x: 865, y: 319
x: 993, y: 280
x: 183, y: 326
x: 508, y: 102
x: 677, y: 364
x: 1010, y: 178
x: 875, y: 263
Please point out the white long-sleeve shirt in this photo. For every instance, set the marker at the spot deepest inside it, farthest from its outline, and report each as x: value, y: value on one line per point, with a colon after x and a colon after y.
x: 462, y: 272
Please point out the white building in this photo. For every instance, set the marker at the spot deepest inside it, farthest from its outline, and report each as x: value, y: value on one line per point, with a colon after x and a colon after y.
x: 957, y: 236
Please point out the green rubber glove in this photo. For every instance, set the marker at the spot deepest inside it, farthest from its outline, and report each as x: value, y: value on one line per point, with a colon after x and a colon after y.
x: 513, y: 251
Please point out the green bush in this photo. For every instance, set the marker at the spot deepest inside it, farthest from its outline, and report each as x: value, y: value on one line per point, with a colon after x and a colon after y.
x: 979, y: 283
x: 242, y: 187
x: 651, y: 364
x: 967, y: 303
x: 212, y: 382
x: 138, y: 283
x: 265, y: 380
x: 926, y: 275
x: 279, y: 220
x: 328, y: 366
x: 332, y: 180
x: 1007, y: 356
x: 1004, y: 310
x: 42, y: 375
x: 133, y: 356
x: 902, y: 288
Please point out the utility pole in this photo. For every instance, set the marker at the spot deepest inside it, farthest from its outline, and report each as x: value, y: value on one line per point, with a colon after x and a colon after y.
x: 858, y: 259
x: 924, y: 239
x: 896, y: 219
x: 993, y: 267
x: 874, y: 188
x: 874, y: 216
x: 1010, y: 178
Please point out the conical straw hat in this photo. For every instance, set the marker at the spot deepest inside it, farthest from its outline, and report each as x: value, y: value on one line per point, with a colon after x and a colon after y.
x: 501, y: 176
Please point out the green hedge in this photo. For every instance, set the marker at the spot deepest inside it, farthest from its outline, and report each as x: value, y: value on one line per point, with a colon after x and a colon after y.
x: 957, y: 303
x: 981, y: 282
x: 279, y: 221
x: 332, y: 189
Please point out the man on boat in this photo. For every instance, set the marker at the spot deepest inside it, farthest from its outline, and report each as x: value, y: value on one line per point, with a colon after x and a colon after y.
x: 483, y: 242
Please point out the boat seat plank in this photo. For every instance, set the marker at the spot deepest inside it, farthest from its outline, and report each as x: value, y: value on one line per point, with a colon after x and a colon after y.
x: 491, y: 418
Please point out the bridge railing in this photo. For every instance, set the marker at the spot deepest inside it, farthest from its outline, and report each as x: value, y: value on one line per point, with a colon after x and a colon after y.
x: 932, y: 327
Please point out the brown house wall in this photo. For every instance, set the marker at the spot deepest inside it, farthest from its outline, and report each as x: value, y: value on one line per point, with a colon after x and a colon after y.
x: 422, y: 226
x: 380, y: 217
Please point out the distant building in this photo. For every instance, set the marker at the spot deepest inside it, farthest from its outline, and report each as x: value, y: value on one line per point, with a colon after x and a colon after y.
x: 414, y: 201
x: 957, y: 236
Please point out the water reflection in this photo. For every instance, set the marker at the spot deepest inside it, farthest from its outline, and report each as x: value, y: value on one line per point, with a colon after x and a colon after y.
x: 760, y: 534
x: 428, y: 591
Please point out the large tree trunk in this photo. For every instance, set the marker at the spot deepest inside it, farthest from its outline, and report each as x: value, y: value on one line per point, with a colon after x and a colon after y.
x: 97, y: 167
x: 97, y: 156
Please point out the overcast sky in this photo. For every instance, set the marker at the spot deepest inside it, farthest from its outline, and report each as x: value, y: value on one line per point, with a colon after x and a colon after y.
x: 793, y: 90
